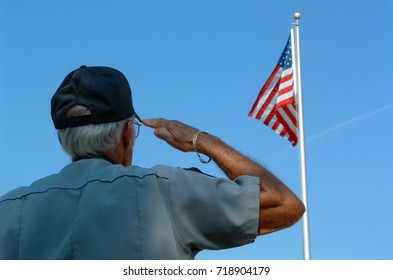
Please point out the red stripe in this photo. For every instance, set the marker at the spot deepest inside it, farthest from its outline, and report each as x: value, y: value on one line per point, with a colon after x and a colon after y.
x: 283, y: 132
x: 286, y: 102
x: 290, y: 115
x: 285, y: 90
x: 286, y: 78
x: 264, y: 88
x: 271, y: 115
x: 276, y: 125
x: 292, y: 134
x: 267, y: 102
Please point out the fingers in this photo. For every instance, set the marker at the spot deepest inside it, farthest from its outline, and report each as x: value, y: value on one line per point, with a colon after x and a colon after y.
x: 162, y: 133
x: 155, y: 123
x: 173, y: 126
x: 175, y: 133
x: 160, y: 127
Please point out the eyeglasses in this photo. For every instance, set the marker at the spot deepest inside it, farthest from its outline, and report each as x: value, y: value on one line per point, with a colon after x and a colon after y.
x: 138, y: 127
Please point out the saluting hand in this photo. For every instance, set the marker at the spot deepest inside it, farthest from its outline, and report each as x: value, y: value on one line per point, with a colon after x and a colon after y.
x: 175, y: 133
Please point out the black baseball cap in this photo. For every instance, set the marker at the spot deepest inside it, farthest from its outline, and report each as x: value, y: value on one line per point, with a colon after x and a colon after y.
x: 103, y: 90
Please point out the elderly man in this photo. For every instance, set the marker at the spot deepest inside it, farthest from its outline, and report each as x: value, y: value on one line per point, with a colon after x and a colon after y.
x: 101, y: 206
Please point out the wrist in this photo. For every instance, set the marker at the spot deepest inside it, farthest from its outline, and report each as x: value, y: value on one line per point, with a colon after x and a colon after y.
x: 196, y: 146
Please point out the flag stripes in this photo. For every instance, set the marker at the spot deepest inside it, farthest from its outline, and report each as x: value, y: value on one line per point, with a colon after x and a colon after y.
x: 276, y: 104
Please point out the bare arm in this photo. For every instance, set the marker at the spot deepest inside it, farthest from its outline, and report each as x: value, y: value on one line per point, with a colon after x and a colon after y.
x: 279, y: 207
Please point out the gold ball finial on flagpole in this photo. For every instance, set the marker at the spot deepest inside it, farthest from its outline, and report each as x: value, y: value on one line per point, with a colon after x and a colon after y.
x: 297, y: 15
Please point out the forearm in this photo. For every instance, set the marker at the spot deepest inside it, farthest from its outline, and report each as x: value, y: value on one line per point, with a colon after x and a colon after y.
x: 233, y: 163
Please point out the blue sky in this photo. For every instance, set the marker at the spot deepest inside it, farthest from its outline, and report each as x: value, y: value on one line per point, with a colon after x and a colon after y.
x: 204, y: 62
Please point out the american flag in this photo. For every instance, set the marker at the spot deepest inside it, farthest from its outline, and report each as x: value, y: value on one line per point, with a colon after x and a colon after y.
x: 276, y: 102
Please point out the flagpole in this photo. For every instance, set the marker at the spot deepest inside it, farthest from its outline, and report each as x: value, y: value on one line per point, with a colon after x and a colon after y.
x: 302, y: 149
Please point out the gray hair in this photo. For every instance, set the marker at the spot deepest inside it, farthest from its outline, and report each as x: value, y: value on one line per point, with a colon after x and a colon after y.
x: 90, y: 140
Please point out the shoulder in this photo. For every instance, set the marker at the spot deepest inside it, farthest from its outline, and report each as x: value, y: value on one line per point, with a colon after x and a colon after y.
x: 39, y: 186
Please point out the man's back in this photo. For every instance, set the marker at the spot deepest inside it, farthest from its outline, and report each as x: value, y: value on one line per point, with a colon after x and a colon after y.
x: 93, y: 209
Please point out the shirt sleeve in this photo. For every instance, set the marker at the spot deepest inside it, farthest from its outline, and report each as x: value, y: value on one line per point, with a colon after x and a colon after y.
x: 214, y: 213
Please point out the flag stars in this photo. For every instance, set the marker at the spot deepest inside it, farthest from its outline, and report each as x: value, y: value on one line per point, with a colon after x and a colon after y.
x: 285, y: 60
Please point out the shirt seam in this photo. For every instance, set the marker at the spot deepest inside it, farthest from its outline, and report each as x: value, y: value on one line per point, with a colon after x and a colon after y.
x: 138, y: 214
x: 175, y: 222
x: 73, y: 245
x: 83, y: 186
x: 20, y: 229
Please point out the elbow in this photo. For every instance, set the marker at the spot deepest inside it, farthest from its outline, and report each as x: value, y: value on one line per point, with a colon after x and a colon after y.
x: 280, y: 208
x: 294, y: 210
x: 282, y: 216
x: 299, y: 209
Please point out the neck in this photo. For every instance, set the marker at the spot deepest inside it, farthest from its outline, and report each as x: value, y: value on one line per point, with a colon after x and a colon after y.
x: 114, y: 156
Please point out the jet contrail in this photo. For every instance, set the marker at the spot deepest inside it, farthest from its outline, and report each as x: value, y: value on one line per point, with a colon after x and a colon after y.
x: 336, y: 127
x: 348, y: 122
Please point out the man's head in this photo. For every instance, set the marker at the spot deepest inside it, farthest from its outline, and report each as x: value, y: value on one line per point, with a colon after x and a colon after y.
x: 103, y: 90
x: 93, y: 112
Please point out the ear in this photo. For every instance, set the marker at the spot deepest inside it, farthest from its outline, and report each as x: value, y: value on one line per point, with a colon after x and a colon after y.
x: 127, y: 133
x: 126, y: 144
